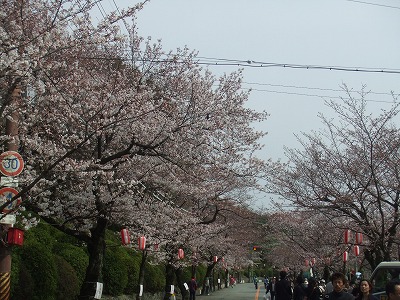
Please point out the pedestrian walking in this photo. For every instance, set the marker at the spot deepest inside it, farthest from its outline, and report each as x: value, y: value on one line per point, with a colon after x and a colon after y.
x: 192, y: 289
x: 365, y: 291
x: 299, y: 291
x: 393, y: 289
x: 283, y: 287
x: 339, y: 281
x: 272, y: 288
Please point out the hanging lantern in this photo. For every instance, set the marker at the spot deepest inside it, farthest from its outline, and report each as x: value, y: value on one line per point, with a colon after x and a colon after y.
x: 181, y: 254
x: 347, y: 234
x: 345, y: 256
x: 359, y: 238
x: 142, y: 243
x: 15, y: 236
x: 126, y: 240
x: 356, y: 250
x: 306, y: 262
x: 215, y: 259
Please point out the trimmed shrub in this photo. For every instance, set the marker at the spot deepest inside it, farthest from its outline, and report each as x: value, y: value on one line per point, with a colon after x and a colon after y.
x: 23, y: 288
x: 132, y: 261
x: 115, y: 271
x: 40, y: 264
x: 75, y: 256
x: 154, y: 278
x: 67, y: 281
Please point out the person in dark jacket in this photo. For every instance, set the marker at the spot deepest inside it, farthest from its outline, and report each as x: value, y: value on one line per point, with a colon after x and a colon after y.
x: 393, y: 289
x: 312, y: 291
x: 338, y: 293
x: 192, y: 288
x: 272, y: 288
x: 299, y: 291
x: 283, y: 287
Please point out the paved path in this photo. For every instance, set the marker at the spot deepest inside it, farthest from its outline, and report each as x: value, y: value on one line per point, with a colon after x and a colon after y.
x: 242, y: 291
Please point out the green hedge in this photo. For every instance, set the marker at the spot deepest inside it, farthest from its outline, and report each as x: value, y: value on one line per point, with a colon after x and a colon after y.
x: 51, y: 265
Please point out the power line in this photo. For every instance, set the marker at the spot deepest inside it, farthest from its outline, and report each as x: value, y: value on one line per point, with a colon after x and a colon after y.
x: 311, y: 88
x: 376, y: 4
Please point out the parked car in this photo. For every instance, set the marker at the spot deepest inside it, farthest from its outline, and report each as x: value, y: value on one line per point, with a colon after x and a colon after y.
x: 383, y: 273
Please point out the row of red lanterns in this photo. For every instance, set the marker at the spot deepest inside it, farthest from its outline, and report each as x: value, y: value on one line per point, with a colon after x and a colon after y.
x: 125, y: 238
x: 347, y: 237
x: 356, y: 250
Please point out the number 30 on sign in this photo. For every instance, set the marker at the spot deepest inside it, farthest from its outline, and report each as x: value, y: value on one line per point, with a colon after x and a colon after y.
x: 11, y: 163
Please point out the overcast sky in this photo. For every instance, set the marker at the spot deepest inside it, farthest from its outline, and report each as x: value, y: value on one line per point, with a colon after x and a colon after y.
x: 346, y: 33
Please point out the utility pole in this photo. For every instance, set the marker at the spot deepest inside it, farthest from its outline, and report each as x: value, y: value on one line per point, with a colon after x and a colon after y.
x: 11, y: 131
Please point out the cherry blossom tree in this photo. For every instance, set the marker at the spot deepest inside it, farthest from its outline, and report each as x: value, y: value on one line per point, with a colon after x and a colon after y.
x: 103, y: 112
x: 349, y: 173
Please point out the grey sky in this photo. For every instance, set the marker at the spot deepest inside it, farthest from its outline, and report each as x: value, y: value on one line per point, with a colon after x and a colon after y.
x: 347, y: 33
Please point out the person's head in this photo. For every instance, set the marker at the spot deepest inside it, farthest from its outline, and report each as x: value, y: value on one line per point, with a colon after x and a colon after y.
x: 393, y: 289
x: 338, y: 281
x: 282, y: 274
x: 365, y: 286
x: 312, y: 282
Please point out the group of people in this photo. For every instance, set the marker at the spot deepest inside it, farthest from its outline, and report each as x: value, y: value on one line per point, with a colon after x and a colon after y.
x: 283, y: 289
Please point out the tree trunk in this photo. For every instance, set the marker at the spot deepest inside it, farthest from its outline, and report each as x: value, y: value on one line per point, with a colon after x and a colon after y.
x: 207, y: 277
x: 141, y: 274
x: 169, y: 280
x: 96, y: 249
x: 180, y: 281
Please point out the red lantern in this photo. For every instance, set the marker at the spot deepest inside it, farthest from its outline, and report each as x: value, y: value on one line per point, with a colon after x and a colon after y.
x: 181, y: 254
x: 15, y: 236
x: 126, y: 240
x: 356, y: 250
x: 306, y: 262
x: 142, y: 243
x: 347, y: 234
x: 345, y: 256
x: 215, y: 259
x: 359, y: 238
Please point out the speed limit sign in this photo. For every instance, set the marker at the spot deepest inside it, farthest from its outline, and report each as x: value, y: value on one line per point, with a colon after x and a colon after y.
x: 11, y: 163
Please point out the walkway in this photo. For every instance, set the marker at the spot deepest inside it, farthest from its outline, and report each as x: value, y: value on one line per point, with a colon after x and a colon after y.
x: 242, y: 291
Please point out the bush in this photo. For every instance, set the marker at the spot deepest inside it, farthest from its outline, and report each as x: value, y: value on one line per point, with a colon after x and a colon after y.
x: 23, y: 287
x: 40, y: 264
x: 75, y: 256
x: 67, y: 280
x: 154, y: 278
x: 115, y: 271
x: 132, y: 261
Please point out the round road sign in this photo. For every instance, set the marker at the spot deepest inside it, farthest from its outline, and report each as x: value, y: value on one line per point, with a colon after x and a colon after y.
x: 6, y: 194
x: 11, y: 163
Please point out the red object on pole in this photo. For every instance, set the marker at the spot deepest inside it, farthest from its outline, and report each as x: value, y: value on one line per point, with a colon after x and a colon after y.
x: 126, y: 240
x: 142, y: 243
x: 347, y: 234
x: 359, y: 238
x: 215, y: 259
x: 15, y: 236
x: 356, y: 250
x: 181, y: 254
x: 345, y: 256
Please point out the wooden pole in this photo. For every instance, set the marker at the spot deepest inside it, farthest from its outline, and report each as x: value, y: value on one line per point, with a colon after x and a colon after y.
x: 5, y: 250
